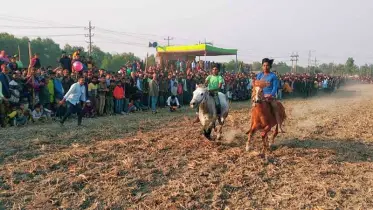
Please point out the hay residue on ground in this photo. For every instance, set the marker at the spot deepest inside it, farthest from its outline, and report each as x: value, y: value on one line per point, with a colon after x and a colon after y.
x: 145, y: 161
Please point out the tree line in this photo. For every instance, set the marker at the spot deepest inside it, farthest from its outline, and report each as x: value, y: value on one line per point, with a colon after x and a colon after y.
x: 50, y: 52
x: 349, y: 68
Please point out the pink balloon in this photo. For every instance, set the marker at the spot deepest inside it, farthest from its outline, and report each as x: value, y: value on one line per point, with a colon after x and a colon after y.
x: 77, y: 66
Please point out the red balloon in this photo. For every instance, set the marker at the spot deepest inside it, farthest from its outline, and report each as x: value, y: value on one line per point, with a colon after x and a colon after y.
x: 77, y: 66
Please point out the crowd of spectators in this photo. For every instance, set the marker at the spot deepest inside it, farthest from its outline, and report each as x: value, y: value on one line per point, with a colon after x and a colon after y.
x: 33, y: 94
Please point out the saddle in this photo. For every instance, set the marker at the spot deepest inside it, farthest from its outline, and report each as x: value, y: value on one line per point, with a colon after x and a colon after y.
x: 217, y: 106
x: 268, y: 100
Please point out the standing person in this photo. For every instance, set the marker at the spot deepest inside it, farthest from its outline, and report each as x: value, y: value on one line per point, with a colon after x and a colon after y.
x: 110, y: 98
x: 74, y: 96
x: 280, y: 87
x: 162, y: 90
x: 102, y: 90
x: 118, y: 94
x: 154, y: 93
x: 5, y: 80
x: 65, y: 62
x: 92, y: 92
x: 35, y: 62
x: 2, y: 107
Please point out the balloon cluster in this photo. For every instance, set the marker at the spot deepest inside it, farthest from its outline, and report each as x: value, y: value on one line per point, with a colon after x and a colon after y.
x: 77, y: 66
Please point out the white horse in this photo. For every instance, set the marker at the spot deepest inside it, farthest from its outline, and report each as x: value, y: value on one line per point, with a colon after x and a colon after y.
x: 207, y: 110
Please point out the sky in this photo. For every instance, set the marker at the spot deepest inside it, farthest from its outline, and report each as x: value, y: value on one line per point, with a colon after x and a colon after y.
x: 332, y: 30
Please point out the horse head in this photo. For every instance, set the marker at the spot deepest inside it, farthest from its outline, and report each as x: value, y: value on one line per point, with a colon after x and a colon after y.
x: 257, y: 95
x: 199, y: 95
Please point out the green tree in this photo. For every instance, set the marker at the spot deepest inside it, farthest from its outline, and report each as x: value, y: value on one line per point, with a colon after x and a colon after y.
x: 71, y: 49
x: 97, y: 55
x: 365, y: 70
x: 325, y: 68
x: 106, y: 62
x: 151, y: 60
x: 281, y: 67
x: 350, y: 67
x: 340, y: 69
x: 230, y: 66
x: 256, y: 66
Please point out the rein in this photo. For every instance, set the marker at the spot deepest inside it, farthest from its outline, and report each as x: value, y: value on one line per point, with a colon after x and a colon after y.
x: 203, y: 104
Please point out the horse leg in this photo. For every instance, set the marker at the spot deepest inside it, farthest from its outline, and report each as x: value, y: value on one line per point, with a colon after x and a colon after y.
x: 265, y: 145
x: 208, y: 128
x: 207, y: 133
x: 275, y: 133
x: 220, y: 128
x: 265, y: 140
x: 250, y: 135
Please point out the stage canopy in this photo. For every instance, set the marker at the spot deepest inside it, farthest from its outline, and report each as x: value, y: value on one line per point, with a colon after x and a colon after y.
x: 195, y: 50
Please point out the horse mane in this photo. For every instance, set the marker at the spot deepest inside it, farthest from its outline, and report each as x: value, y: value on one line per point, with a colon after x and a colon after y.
x: 203, y: 106
x: 202, y: 86
x: 261, y: 83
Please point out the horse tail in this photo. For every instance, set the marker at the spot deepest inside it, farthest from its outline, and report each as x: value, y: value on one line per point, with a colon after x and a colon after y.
x: 282, y: 111
x: 248, y: 131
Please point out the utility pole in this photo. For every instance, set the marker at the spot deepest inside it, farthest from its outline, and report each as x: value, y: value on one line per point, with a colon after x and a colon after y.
x: 90, y: 35
x: 294, y: 57
x: 309, y: 62
x: 209, y: 43
x: 168, y: 40
x: 314, y: 69
x: 199, y: 57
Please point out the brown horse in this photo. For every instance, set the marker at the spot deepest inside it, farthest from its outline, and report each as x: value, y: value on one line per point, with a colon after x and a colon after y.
x: 262, y: 116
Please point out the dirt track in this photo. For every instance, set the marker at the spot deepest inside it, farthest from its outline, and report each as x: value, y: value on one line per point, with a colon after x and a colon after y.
x: 324, y: 161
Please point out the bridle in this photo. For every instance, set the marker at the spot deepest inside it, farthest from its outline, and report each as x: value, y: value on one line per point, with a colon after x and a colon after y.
x: 260, y: 98
x: 205, y: 95
x: 204, y: 98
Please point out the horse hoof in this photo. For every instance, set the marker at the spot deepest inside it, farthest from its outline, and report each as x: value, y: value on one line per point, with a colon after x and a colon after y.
x: 208, y: 137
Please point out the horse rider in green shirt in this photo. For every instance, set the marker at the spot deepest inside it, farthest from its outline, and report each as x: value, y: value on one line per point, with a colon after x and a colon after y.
x: 214, y: 83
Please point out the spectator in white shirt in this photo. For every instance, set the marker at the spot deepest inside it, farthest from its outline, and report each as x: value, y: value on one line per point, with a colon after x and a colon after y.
x: 74, y: 96
x: 173, y: 103
x: 38, y: 113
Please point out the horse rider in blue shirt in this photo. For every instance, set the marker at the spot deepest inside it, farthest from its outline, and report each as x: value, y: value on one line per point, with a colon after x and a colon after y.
x: 271, y: 90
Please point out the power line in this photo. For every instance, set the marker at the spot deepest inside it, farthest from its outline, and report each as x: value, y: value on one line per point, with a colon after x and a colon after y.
x: 90, y: 35
x: 144, y: 36
x: 129, y: 33
x: 123, y: 43
x: 31, y: 20
x: 52, y: 35
x: 38, y: 27
x: 116, y: 40
x: 120, y: 34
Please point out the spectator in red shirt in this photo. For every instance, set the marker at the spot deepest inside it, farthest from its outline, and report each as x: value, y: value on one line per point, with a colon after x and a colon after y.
x: 35, y: 62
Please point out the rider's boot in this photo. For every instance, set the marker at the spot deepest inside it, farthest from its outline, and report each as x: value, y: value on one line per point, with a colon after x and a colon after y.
x: 217, y: 104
